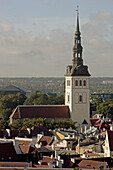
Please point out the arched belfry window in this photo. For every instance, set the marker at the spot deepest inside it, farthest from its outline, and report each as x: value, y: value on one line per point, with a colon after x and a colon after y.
x: 68, y: 82
x: 80, y: 98
x: 76, y: 82
x: 80, y: 82
x: 84, y: 83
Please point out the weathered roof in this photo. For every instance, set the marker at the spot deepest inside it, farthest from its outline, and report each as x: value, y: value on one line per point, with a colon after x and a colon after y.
x: 90, y: 164
x: 43, y: 111
x: 47, y: 139
x: 110, y: 137
x: 39, y: 129
x: 7, y: 151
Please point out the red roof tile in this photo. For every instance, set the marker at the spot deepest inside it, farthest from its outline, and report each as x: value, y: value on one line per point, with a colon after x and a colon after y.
x: 47, y: 159
x: 27, y: 111
x: 90, y: 164
x: 46, y: 140
x: 7, y: 151
x: 15, y: 164
x: 93, y: 121
x: 39, y: 129
x: 110, y: 137
x: 42, y: 166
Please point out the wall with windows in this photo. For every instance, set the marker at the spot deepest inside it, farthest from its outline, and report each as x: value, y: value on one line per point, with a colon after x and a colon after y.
x: 77, y: 97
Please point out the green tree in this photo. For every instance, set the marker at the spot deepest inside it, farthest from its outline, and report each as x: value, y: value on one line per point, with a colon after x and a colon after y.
x: 106, y: 108
x: 43, y: 99
x: 3, y: 124
x: 17, y: 124
x: 27, y: 123
x: 8, y: 103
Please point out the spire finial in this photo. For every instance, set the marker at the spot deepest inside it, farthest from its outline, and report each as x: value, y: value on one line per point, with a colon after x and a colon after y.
x: 77, y: 26
x: 77, y: 9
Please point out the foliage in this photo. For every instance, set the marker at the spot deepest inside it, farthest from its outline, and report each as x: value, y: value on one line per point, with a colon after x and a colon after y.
x: 43, y: 99
x: 29, y: 123
x: 17, y: 124
x: 8, y: 103
x: 95, y: 102
x: 61, y: 124
x: 3, y: 124
x: 106, y: 108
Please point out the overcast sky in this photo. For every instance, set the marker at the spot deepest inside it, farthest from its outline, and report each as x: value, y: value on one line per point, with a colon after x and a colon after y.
x: 36, y: 37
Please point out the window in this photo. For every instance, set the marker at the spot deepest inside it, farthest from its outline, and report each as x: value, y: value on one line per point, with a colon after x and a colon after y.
x: 76, y: 82
x: 80, y: 82
x: 68, y: 82
x: 84, y: 83
x: 68, y: 98
x: 80, y: 98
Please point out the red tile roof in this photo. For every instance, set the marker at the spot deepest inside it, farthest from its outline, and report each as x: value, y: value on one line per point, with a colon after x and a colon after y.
x: 90, y: 164
x: 46, y: 140
x: 110, y: 138
x: 7, y: 151
x: 48, y: 111
x: 42, y: 166
x: 93, y: 121
x: 39, y: 129
x: 15, y: 164
x: 47, y: 159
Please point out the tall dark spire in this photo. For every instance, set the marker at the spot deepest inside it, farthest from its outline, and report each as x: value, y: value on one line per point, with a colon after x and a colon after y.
x: 77, y: 49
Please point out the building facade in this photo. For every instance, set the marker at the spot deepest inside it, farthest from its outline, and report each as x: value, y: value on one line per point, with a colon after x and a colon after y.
x: 77, y: 83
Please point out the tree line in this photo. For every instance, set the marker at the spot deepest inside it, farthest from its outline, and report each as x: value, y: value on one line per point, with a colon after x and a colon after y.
x: 9, y: 102
x: 102, y: 107
x: 29, y: 123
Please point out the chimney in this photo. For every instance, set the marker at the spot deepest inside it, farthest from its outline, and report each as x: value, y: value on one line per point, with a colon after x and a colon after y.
x: 29, y: 131
x: 8, y: 131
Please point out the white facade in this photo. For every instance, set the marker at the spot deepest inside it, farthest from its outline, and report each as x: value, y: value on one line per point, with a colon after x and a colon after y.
x: 77, y: 91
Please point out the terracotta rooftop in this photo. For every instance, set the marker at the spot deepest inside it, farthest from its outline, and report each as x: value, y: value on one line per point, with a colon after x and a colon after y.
x: 7, y: 151
x: 48, y: 159
x: 15, y: 164
x: 39, y: 129
x: 46, y: 139
x: 90, y: 164
x: 110, y: 137
x: 93, y: 121
x: 36, y: 111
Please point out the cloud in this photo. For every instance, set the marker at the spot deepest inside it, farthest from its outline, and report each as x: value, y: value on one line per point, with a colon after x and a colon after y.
x: 30, y: 55
x: 6, y: 26
x: 45, y: 47
x: 102, y: 16
x: 98, y: 45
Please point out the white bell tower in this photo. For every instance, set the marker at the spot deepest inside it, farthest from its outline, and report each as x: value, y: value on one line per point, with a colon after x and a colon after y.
x: 77, y: 83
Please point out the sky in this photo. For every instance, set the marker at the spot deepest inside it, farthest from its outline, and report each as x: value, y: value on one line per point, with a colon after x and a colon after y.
x: 37, y: 37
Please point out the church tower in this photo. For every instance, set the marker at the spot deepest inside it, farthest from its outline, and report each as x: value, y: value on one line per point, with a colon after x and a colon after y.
x: 77, y: 79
